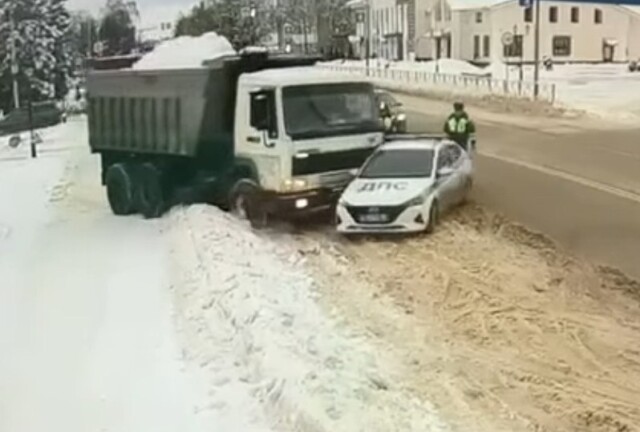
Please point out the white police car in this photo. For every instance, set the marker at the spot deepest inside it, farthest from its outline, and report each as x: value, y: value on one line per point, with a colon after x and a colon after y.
x: 405, y: 186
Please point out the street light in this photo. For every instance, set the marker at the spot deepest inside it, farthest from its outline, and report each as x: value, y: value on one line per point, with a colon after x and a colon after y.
x: 28, y: 72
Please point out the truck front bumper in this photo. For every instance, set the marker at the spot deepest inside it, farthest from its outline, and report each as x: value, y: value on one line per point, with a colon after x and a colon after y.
x: 292, y: 205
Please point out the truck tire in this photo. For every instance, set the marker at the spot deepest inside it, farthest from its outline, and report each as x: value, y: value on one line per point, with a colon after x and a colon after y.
x: 120, y: 183
x: 151, y: 196
x: 244, y: 203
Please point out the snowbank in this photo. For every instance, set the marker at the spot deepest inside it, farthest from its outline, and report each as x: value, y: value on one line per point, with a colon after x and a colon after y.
x: 269, y: 354
x: 186, y: 52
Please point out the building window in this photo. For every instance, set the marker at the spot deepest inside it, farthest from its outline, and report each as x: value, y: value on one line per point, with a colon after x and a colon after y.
x: 562, y: 46
x: 515, y: 49
x: 528, y: 14
x: 486, y: 46
x: 478, y: 17
x: 575, y: 14
x: 553, y: 14
x: 476, y: 47
x: 597, y: 16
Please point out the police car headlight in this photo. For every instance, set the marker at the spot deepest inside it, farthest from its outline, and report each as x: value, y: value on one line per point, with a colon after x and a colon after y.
x: 417, y: 201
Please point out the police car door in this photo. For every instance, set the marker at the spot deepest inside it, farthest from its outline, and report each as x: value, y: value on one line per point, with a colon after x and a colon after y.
x: 446, y: 181
x: 457, y: 159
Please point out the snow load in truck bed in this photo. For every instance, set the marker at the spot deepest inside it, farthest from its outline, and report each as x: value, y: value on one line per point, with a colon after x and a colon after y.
x: 186, y: 52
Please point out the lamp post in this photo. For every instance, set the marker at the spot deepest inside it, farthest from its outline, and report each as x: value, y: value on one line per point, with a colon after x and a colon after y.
x: 536, y: 51
x: 28, y: 72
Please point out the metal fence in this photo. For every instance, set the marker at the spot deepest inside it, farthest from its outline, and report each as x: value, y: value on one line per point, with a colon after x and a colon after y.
x: 474, y: 84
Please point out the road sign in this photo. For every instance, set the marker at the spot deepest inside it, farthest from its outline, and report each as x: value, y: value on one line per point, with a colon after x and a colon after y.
x: 525, y: 3
x: 507, y: 38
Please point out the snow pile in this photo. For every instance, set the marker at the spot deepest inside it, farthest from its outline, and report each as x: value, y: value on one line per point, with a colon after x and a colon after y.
x: 186, y: 52
x: 269, y: 355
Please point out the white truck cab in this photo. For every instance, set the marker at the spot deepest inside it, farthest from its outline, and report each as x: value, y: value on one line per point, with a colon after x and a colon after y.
x: 304, y: 130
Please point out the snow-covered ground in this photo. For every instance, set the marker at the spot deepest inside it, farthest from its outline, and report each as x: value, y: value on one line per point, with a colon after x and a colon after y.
x: 189, y: 323
x: 605, y: 90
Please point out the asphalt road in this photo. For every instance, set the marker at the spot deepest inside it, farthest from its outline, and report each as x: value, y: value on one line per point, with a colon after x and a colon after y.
x: 580, y: 187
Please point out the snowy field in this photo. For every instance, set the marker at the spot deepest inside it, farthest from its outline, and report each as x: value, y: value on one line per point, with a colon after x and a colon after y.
x: 188, y: 323
x: 604, y: 90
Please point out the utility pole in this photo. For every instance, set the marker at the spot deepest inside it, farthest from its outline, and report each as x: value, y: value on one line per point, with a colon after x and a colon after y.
x: 536, y: 51
x: 368, y: 34
x: 14, y: 65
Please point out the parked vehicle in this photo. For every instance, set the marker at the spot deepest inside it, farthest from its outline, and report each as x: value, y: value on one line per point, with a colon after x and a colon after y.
x: 261, y: 135
x: 392, y: 112
x: 405, y: 186
x: 44, y: 114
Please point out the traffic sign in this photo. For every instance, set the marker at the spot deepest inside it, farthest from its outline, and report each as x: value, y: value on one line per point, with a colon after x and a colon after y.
x: 507, y: 38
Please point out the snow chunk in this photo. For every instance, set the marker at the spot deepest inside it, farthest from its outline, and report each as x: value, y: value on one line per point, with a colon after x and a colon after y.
x: 186, y: 52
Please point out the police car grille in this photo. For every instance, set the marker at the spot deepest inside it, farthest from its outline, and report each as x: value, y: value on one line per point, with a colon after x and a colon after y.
x: 360, y: 213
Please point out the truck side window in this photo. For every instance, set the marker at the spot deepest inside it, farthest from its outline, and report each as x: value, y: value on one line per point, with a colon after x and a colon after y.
x: 263, y: 112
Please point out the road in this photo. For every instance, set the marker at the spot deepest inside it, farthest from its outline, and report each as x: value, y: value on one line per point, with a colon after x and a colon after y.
x: 579, y: 186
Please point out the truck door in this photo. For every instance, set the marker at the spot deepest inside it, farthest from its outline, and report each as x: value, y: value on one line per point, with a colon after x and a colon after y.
x: 261, y: 141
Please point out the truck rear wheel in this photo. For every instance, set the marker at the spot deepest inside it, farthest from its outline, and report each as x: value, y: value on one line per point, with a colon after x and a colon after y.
x: 244, y: 203
x: 151, y: 199
x: 120, y: 189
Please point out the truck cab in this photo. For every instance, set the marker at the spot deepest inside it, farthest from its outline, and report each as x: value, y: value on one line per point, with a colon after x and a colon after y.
x: 303, y: 130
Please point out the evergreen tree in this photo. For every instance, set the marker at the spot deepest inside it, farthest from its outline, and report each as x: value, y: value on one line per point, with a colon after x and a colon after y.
x: 117, y: 29
x: 26, y: 25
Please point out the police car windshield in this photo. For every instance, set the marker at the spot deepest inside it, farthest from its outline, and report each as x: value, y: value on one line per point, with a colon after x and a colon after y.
x: 399, y: 163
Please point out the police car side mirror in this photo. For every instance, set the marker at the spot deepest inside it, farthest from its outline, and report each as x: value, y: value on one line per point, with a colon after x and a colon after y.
x: 353, y: 172
x: 444, y: 172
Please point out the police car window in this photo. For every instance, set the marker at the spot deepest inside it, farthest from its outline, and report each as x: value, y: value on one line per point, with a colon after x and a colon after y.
x: 399, y: 163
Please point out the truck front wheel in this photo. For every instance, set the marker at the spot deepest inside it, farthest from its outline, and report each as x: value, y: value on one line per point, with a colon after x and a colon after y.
x: 120, y: 189
x: 151, y: 200
x: 245, y: 204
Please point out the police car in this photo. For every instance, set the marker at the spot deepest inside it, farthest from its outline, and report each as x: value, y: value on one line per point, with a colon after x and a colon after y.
x: 405, y: 186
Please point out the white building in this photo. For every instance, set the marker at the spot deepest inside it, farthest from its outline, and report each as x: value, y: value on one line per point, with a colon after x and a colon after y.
x: 392, y: 27
x: 569, y: 31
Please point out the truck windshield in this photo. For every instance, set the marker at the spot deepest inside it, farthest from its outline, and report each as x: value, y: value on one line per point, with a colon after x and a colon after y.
x: 321, y: 110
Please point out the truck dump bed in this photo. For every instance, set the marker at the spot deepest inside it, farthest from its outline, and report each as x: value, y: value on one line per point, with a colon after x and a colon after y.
x: 180, y: 112
x: 155, y: 111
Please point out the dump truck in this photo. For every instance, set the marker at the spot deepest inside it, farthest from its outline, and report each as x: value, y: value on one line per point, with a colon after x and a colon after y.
x: 258, y: 134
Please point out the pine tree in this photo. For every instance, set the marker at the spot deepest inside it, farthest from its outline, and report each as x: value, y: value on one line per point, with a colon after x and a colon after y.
x: 34, y: 40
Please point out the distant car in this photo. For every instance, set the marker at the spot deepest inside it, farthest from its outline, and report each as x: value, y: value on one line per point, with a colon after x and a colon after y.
x: 391, y: 112
x: 45, y: 114
x: 405, y: 186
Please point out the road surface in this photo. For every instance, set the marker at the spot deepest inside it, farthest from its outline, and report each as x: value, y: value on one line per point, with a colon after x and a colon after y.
x: 578, y: 186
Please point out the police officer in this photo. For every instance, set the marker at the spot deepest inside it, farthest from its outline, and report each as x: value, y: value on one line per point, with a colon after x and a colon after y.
x: 459, y: 127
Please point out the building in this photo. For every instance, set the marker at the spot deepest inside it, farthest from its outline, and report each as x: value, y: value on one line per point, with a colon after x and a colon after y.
x: 476, y: 30
x: 391, y: 26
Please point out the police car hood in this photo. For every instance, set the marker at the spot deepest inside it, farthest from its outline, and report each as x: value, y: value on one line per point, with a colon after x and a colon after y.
x: 384, y: 192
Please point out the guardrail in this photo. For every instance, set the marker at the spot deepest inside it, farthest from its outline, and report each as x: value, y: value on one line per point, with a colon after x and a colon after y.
x: 475, y: 84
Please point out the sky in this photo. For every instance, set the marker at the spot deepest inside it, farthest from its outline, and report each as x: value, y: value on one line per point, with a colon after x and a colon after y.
x: 152, y: 12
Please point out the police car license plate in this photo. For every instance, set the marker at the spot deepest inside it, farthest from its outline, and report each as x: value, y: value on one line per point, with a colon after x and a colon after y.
x: 374, y: 218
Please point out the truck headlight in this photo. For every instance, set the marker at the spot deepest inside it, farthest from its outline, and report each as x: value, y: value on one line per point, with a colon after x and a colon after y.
x: 402, y: 117
x: 295, y: 184
x: 417, y: 201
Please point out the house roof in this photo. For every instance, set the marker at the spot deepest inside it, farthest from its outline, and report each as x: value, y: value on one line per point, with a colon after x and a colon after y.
x: 481, y: 4
x: 635, y: 9
x: 474, y: 4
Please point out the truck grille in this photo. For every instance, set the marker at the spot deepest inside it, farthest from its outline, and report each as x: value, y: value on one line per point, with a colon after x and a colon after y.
x: 332, y: 161
x: 375, y: 214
